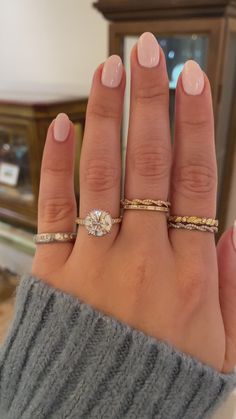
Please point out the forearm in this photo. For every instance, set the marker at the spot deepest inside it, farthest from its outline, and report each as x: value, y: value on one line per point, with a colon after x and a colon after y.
x: 62, y: 358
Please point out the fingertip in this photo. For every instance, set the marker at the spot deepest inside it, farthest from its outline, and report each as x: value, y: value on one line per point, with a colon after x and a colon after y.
x: 112, y: 64
x: 134, y: 55
x: 61, y: 127
x: 193, y: 85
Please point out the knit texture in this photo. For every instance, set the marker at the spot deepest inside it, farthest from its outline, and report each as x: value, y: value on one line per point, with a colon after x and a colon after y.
x: 63, y: 359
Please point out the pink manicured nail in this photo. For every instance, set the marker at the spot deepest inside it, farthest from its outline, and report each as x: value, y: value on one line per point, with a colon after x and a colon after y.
x: 192, y: 78
x: 112, y: 71
x: 148, y: 50
x: 234, y: 235
x: 61, y: 127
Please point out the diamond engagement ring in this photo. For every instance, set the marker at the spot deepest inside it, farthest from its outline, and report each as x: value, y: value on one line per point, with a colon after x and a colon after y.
x: 98, y: 222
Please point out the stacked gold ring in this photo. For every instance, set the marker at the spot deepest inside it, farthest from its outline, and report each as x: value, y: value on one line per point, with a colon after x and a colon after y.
x: 193, y: 223
x: 194, y: 220
x: 146, y: 204
x: 185, y: 222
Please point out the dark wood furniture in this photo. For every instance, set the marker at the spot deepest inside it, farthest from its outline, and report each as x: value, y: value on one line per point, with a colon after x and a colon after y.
x: 23, y: 128
x: 206, y: 31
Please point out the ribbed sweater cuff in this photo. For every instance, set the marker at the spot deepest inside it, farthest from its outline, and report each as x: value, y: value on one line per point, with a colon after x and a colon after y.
x: 64, y: 359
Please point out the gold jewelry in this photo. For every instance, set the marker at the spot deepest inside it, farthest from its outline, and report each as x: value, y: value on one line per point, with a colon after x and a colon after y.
x: 43, y: 238
x: 98, y: 222
x: 158, y: 203
x: 194, y: 227
x: 194, y: 220
x: 145, y: 204
x: 146, y: 207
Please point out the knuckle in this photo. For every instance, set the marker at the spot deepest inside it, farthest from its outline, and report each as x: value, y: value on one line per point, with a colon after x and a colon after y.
x: 151, y: 159
x: 152, y: 94
x: 100, y: 174
x: 56, y: 167
x: 102, y: 111
x: 196, y: 125
x: 56, y: 209
x: 195, y: 179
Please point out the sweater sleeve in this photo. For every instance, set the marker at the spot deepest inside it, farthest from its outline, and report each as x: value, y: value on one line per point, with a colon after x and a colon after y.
x: 64, y: 359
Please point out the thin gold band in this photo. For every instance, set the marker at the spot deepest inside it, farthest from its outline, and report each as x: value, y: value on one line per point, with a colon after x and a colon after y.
x: 145, y: 207
x: 189, y: 226
x: 194, y: 220
x: 147, y: 202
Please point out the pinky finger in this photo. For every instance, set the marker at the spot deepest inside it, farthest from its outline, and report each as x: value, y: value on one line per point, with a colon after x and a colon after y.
x: 226, y: 250
x: 57, y: 204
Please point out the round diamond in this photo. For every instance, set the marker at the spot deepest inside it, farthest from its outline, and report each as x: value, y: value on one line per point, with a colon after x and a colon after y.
x: 98, y: 223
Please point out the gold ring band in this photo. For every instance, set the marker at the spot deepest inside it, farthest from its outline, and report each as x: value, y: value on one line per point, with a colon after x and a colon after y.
x: 43, y: 238
x: 194, y: 220
x: 189, y: 226
x: 145, y: 204
x: 145, y: 207
x: 82, y: 221
x: 148, y: 202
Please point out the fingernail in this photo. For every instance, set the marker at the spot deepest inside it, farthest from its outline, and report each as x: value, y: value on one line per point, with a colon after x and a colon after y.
x: 61, y: 127
x: 234, y: 235
x: 148, y: 50
x: 112, y: 71
x: 192, y: 78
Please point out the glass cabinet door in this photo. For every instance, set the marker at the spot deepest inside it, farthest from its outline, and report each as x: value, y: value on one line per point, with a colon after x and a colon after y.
x: 15, y: 177
x: 180, y: 48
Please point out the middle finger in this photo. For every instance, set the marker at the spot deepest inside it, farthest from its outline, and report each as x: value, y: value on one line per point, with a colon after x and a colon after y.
x: 148, y: 159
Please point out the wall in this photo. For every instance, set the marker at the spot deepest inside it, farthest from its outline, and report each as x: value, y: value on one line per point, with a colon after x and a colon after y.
x: 50, y: 45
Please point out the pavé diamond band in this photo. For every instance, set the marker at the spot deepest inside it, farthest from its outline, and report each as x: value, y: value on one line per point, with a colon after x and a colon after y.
x: 98, y: 222
x: 43, y: 238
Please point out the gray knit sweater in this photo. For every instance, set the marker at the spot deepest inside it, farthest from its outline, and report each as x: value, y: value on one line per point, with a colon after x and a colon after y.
x: 63, y: 359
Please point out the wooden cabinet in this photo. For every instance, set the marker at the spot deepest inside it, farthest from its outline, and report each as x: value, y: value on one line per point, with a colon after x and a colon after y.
x: 23, y: 128
x: 203, y: 30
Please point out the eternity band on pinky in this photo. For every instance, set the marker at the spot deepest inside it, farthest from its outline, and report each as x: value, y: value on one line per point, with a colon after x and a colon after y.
x: 99, y: 222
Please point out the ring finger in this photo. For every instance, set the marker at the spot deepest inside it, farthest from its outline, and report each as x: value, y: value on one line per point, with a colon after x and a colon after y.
x: 100, y: 164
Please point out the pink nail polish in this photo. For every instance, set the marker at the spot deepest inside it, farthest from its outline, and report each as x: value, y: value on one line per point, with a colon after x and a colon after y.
x: 234, y: 235
x: 112, y: 71
x: 61, y: 127
x: 192, y: 78
x: 148, y: 50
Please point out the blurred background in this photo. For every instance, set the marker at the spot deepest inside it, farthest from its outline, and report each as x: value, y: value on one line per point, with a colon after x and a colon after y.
x: 49, y: 51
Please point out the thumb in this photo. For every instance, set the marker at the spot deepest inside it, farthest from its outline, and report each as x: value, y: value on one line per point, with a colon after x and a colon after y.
x: 226, y: 253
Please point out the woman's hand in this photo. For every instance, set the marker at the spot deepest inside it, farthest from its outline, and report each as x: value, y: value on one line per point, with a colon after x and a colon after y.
x: 167, y: 283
